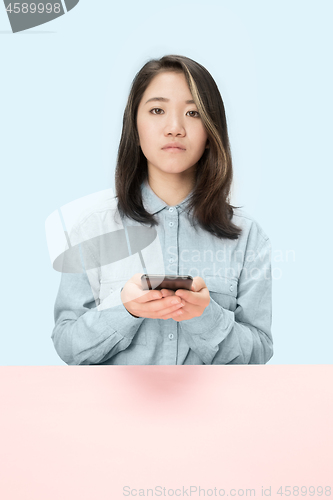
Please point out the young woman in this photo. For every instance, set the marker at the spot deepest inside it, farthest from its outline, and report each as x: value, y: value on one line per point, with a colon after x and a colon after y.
x: 173, y: 176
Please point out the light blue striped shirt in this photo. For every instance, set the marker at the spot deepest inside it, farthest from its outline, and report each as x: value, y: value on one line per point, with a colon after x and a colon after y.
x: 92, y: 326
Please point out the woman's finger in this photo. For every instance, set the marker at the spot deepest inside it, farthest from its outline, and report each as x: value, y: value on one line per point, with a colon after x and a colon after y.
x: 163, y: 307
x: 175, y: 314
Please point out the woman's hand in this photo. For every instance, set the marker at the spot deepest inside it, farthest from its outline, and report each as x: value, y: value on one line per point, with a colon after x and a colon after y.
x: 150, y: 303
x: 196, y: 300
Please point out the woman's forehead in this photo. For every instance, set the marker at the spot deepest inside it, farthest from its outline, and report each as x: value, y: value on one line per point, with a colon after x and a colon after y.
x: 167, y: 85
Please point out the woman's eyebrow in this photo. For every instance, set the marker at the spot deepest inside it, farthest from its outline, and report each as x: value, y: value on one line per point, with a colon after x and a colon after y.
x: 164, y: 99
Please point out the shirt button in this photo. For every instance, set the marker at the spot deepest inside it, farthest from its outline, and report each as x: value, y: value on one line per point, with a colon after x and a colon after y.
x: 170, y: 336
x: 170, y: 224
x: 171, y: 261
x: 171, y: 209
x: 231, y: 288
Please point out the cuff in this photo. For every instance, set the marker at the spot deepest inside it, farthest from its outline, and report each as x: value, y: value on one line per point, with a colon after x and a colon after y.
x: 117, y: 315
x: 203, y: 324
x: 205, y: 333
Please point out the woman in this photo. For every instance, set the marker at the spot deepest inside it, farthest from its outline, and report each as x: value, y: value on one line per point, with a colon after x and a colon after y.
x: 174, y: 173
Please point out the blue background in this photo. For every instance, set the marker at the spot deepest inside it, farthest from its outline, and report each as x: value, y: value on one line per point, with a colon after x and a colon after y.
x: 64, y: 86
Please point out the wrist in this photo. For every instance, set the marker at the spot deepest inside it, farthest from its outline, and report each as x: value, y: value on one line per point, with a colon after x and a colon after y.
x: 121, y: 291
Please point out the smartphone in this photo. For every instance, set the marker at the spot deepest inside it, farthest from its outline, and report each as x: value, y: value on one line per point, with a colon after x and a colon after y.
x: 169, y: 281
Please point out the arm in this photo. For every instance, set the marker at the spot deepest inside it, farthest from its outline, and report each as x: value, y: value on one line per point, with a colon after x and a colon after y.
x: 243, y: 336
x: 85, y: 333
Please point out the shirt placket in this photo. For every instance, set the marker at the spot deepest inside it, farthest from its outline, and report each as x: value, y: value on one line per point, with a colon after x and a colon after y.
x: 170, y: 330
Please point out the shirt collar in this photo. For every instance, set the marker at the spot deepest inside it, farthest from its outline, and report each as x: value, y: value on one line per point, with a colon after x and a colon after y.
x: 153, y: 203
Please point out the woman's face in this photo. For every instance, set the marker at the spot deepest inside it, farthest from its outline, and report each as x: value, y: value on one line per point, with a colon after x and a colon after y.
x: 168, y: 116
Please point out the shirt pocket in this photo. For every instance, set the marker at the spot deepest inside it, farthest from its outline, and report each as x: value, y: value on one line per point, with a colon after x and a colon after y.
x: 223, y: 290
x: 109, y: 286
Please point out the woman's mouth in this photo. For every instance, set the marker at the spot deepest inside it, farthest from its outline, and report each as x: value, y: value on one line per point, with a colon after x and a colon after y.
x: 174, y: 150
x: 174, y: 147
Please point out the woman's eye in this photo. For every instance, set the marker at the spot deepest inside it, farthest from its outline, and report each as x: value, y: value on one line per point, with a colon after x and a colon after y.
x: 156, y: 109
x: 159, y: 111
x: 196, y: 115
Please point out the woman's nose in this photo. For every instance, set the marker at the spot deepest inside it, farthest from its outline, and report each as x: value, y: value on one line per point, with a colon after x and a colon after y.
x: 174, y: 126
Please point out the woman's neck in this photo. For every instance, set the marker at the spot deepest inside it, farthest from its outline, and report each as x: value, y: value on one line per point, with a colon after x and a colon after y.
x: 171, y: 193
x: 171, y: 190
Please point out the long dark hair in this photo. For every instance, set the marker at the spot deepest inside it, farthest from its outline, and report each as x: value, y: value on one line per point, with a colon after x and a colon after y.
x: 209, y: 200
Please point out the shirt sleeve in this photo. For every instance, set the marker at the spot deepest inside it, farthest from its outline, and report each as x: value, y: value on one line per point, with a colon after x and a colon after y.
x: 243, y: 336
x: 86, y: 332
